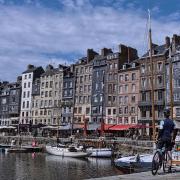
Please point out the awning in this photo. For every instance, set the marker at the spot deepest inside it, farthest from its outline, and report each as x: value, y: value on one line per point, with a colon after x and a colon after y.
x: 120, y: 127
x: 7, y: 127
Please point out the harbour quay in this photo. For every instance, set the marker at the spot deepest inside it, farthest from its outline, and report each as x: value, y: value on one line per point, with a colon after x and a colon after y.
x: 142, y: 176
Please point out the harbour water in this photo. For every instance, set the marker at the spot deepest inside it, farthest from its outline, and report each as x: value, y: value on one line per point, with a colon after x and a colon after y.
x: 42, y: 166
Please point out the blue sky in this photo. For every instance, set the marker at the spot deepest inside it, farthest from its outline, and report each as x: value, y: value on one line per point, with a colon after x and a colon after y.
x: 60, y: 31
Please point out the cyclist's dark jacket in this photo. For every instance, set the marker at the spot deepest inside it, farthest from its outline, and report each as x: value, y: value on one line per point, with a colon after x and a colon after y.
x: 167, y: 126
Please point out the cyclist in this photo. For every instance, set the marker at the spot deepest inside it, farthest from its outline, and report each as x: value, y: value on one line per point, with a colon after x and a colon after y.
x: 167, y: 133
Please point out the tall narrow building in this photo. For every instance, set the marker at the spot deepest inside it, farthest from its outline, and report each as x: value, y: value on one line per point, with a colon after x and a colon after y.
x: 28, y: 78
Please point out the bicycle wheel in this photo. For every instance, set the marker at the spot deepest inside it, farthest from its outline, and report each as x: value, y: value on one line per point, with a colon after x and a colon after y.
x: 167, y: 162
x: 156, y: 161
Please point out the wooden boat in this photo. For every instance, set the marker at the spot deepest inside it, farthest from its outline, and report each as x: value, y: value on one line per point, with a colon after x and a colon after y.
x: 17, y: 150
x: 100, y: 152
x: 66, y: 151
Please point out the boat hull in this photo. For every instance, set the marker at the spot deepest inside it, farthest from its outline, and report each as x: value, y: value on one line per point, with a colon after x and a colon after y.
x: 100, y: 152
x: 65, y: 152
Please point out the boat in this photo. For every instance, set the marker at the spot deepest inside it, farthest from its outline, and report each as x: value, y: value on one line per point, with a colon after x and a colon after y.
x: 136, y: 163
x: 100, y: 152
x: 62, y: 150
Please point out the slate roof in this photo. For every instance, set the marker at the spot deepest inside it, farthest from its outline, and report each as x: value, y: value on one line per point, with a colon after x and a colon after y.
x: 158, y: 50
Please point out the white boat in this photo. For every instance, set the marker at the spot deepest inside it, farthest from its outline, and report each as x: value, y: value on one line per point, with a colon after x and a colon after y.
x: 138, y: 162
x: 66, y: 151
x: 99, y: 152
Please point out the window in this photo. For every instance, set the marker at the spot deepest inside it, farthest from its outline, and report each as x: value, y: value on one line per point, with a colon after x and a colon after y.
x: 120, y: 89
x: 114, y: 111
x: 120, y: 111
x: 126, y: 121
x: 29, y: 84
x: 80, y: 110
x: 24, y: 94
x: 159, y: 80
x: 133, y: 120
x: 110, y: 66
x: 50, y: 93
x: 23, y: 104
x: 142, y: 68
x: 87, y: 110
x: 133, y: 110
x: 126, y: 99
x: 29, y: 76
x: 126, y: 77
x: 42, y: 93
x: 109, y: 111
x: 115, y: 65
x: 24, y: 85
x: 46, y: 84
x: 51, y: 84
x: 121, y: 78
x: 28, y: 95
x: 133, y: 88
x: 70, y: 84
x: 81, y: 79
x: 95, y: 98
x: 159, y: 66
x: 160, y: 95
x: 96, y: 86
x: 133, y: 99
x: 143, y: 113
x: 80, y: 99
x: 120, y: 120
x: 42, y: 84
x: 126, y: 88
x: 126, y: 110
x: 120, y: 100
x: 143, y: 82
x: 46, y: 93
x: 27, y: 105
x: 143, y: 96
x: 25, y: 77
x: 133, y: 76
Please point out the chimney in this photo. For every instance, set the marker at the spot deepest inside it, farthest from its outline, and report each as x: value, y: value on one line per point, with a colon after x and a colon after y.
x: 132, y: 54
x: 123, y: 49
x: 167, y: 39
x: 72, y: 68
x: 91, y: 54
x: 30, y: 66
x: 105, y: 51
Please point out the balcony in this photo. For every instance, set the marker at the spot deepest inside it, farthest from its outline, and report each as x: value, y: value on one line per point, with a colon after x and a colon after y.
x: 149, y: 103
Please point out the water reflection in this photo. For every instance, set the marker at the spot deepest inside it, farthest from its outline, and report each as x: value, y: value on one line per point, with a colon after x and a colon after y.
x: 47, y: 167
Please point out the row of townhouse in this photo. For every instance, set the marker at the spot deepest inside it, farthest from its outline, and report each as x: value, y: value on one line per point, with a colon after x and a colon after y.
x: 110, y: 86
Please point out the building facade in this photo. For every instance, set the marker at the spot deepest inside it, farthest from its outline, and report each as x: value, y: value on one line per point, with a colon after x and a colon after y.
x: 115, y: 62
x: 128, y: 94
x: 28, y: 78
x: 10, y: 102
x: 68, y: 95
x: 160, y: 54
x: 83, y: 87
x: 174, y: 60
x: 47, y: 105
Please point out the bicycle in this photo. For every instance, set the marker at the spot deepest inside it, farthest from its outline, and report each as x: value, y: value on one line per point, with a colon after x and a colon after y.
x: 162, y: 157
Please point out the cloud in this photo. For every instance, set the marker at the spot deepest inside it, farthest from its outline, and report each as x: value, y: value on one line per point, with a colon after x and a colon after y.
x: 33, y: 34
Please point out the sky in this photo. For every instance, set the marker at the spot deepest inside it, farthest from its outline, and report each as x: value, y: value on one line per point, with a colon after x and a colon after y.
x: 41, y: 32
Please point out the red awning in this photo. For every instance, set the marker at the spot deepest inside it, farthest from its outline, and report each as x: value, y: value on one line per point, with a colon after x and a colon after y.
x: 120, y: 127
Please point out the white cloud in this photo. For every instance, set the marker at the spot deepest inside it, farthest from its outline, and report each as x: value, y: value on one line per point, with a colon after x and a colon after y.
x: 28, y: 33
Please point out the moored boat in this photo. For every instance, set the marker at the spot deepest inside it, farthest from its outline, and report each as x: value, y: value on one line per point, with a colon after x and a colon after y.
x: 136, y: 163
x: 100, y: 152
x: 66, y: 151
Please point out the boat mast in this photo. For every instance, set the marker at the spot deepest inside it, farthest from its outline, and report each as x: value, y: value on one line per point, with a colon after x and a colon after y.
x: 171, y: 82
x: 152, y: 77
